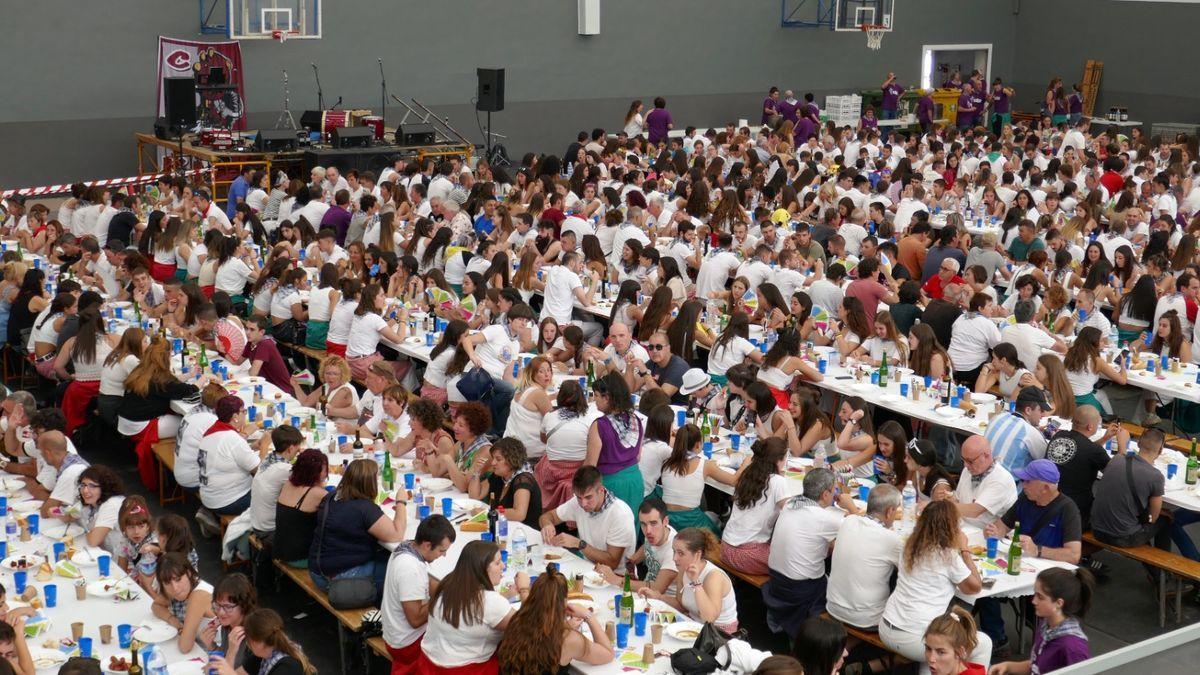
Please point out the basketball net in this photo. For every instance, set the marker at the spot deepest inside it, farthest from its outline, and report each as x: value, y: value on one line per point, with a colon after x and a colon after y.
x: 279, y: 35
x: 874, y: 34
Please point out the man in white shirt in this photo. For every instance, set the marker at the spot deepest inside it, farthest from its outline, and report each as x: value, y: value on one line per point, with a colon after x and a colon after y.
x: 716, y: 269
x: 756, y: 270
x: 1183, y: 301
x: 213, y: 215
x: 563, y: 288
x: 227, y: 462
x: 912, y: 200
x: 66, y: 465
x: 604, y: 523
x: 803, y: 538
x: 853, y: 232
x: 495, y: 349
x: 1075, y: 138
x: 630, y: 229
x: 971, y: 336
x: 1115, y: 238
x: 656, y: 553
x: 441, y: 186
x: 334, y: 182
x: 620, y: 352
x: 985, y: 489
x: 1028, y: 336
x: 408, y: 587
x: 866, y: 555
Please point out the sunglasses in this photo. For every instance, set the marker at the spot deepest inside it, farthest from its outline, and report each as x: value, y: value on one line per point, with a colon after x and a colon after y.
x: 656, y: 348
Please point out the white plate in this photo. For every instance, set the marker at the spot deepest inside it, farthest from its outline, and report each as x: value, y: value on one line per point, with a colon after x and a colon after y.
x: 464, y: 505
x: 82, y: 559
x: 864, y: 387
x: 300, y: 411
x: 189, y: 667
x: 589, y: 605
x: 436, y: 484
x: 58, y: 529
x: 46, y: 659
x: 34, y: 560
x: 27, y: 506
x: 594, y: 581
x: 676, y: 630
x: 892, y: 398
x: 106, y: 588
x: 154, y: 632
x: 983, y: 398
x: 948, y: 412
x: 414, y: 340
x: 10, y: 484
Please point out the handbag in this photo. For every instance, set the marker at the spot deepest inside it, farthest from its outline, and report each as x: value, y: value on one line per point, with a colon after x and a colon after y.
x: 348, y: 592
x: 476, y: 384
x: 701, y: 657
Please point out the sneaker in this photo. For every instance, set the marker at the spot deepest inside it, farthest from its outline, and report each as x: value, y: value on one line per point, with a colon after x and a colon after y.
x: 1151, y: 420
x: 209, y: 526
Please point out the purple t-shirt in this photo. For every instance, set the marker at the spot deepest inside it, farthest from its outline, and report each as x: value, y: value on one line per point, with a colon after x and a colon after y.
x: 965, y: 116
x: 1062, y: 651
x: 274, y: 369
x: 770, y: 107
x: 1075, y: 104
x: 657, y: 123
x: 802, y: 131
x: 925, y: 109
x: 338, y: 219
x: 1000, y: 102
x: 978, y: 100
x: 870, y: 122
x: 891, y: 96
x: 788, y: 110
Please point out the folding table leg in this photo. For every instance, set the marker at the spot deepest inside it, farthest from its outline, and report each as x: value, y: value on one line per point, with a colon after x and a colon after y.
x: 1162, y: 598
x: 342, y: 648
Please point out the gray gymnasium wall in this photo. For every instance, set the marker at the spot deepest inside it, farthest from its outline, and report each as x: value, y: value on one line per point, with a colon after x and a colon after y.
x: 1145, y: 47
x: 86, y: 79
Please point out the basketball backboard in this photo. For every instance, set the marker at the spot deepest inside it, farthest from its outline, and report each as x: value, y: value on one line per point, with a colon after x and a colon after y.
x: 850, y: 15
x: 261, y: 19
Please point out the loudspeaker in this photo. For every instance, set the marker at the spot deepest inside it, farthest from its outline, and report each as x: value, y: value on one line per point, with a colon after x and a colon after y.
x: 416, y: 134
x: 490, y: 97
x: 311, y: 120
x: 352, y: 137
x: 275, y: 140
x: 179, y: 101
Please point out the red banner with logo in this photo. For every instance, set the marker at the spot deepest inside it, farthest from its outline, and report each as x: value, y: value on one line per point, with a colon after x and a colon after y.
x: 217, y: 68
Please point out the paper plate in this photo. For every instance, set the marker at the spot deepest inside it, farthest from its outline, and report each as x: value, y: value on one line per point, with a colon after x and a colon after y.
x: 154, y: 632
x: 686, y: 631
x: 436, y: 484
x: 589, y: 605
x: 45, y: 659
x: 414, y: 340
x: 864, y: 387
x: 189, y: 667
x: 107, y: 588
x: 303, y: 412
x: 951, y: 413
x: 58, y: 529
x: 33, y: 560
x: 983, y: 398
x: 87, y: 557
x: 892, y: 398
x: 595, y: 581
x: 27, y: 506
x: 10, y: 484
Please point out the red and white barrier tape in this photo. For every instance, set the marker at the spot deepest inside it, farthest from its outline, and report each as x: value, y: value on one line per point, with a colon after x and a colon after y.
x: 46, y: 190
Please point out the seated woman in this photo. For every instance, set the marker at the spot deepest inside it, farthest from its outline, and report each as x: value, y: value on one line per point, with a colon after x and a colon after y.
x: 1084, y: 367
x: 1004, y: 372
x: 43, y: 340
x: 433, y: 387
x: 891, y: 463
x: 683, y: 478
x: 350, y: 527
x: 186, y: 600
x: 569, y: 353
x: 885, y: 340
x: 565, y: 433
x: 138, y: 550
x: 232, y: 600
x: 927, y: 357
x: 615, y: 440
x: 145, y: 413
x: 428, y: 438
x: 855, y: 328
x: 296, y: 508
x: 228, y: 462
x: 544, y: 635
x: 85, y: 352
x: 759, y: 494
x: 512, y: 484
x: 336, y: 396
x: 1168, y: 342
x: 782, y: 364
x: 269, y: 651
x: 770, y: 420
x: 101, y: 494
x: 321, y: 302
x: 467, y: 615
x: 287, y: 312
x: 531, y: 403
x: 930, y: 479
x: 702, y: 589
x: 468, y: 467
x: 1061, y: 598
x: 731, y: 348
x: 804, y: 406
x: 855, y: 442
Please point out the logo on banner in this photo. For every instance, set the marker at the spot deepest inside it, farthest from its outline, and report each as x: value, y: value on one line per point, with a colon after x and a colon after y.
x: 180, y: 59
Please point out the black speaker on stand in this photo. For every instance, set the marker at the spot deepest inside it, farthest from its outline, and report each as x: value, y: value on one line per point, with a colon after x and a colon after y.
x: 489, y: 98
x: 179, y: 107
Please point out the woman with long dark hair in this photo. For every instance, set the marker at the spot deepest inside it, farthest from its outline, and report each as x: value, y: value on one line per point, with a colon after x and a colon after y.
x: 782, y: 364
x: 615, y: 440
x: 1085, y: 365
x: 683, y: 477
x: 732, y: 347
x: 434, y: 385
x: 1061, y: 599
x: 759, y: 494
x: 565, y: 432
x: 544, y: 637
x: 686, y: 330
x: 1134, y: 311
x: 86, y: 351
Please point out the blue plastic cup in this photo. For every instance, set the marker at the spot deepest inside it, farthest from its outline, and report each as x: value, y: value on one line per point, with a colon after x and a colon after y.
x: 124, y: 635
x: 822, y: 365
x: 993, y: 546
x: 864, y: 491
x: 953, y: 401
x: 617, y: 604
x: 50, y: 592
x: 3, y: 549
x: 583, y: 383
x: 19, y: 579
x: 447, y: 506
x: 639, y: 623
x: 622, y: 635
x: 120, y: 312
x: 875, y: 377
x: 1082, y: 315
x: 85, y: 647
x: 504, y: 557
x: 735, y: 441
x: 1172, y: 469
x: 34, y: 520
x: 60, y: 549
x: 104, y: 561
x: 904, y: 389
x: 429, y: 339
x: 423, y: 511
x: 928, y: 381
x: 681, y: 416
x: 296, y: 421
x: 409, y: 481
x: 268, y: 424
x: 252, y: 413
x: 1164, y: 363
x: 708, y: 449
x: 486, y: 536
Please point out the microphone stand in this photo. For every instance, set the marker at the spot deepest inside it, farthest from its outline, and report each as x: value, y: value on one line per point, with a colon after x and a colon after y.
x: 383, y: 93
x: 286, y: 121
x: 320, y: 94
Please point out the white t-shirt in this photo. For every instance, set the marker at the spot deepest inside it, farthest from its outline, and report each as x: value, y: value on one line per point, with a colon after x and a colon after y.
x: 451, y: 647
x: 714, y: 272
x: 611, y: 527
x: 232, y: 276
x: 754, y: 525
x: 923, y: 593
x: 650, y: 462
x: 971, y: 336
x: 222, y: 220
x: 1029, y: 341
x: 722, y: 358
x: 187, y: 446
x: 106, y: 515
x: 364, y: 334
x: 407, y: 581
x: 560, y: 294
x: 112, y: 378
x: 621, y: 362
x: 497, y: 351
x: 568, y: 442
x: 853, y: 233
x: 66, y: 485
x: 863, y: 561
x: 801, y: 540
x: 340, y: 321
x: 663, y: 553
x: 995, y: 493
x: 282, y: 302
x: 756, y: 272
x: 225, y: 460
x: 264, y: 492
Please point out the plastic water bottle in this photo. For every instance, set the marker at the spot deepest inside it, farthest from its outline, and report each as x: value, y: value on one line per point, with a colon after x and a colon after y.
x: 910, y: 503
x: 10, y: 526
x: 819, y: 458
x: 418, y: 498
x: 1114, y: 338
x: 520, y: 551
x: 502, y: 524
x: 156, y: 663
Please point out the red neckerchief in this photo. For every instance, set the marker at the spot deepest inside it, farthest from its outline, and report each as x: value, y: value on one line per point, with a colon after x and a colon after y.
x: 220, y: 426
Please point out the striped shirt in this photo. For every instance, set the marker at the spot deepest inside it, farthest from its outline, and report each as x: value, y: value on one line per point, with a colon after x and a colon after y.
x: 1014, y: 441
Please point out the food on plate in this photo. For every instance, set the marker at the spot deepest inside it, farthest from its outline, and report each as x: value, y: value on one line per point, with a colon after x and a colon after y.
x: 68, y: 569
x: 45, y: 572
x: 553, y: 556
x: 978, y: 550
x: 579, y: 596
x: 472, y: 526
x: 118, y: 664
x: 687, y: 634
x: 23, y: 563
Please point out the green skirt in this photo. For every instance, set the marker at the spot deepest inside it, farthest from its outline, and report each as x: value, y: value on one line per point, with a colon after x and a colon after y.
x: 181, y: 273
x: 719, y: 380
x: 1005, y: 118
x: 627, y: 486
x: 315, y: 337
x: 1090, y: 399
x: 1058, y: 119
x: 1127, y: 336
x: 681, y: 520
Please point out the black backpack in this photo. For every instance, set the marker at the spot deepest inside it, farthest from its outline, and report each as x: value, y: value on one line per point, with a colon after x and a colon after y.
x: 701, y: 657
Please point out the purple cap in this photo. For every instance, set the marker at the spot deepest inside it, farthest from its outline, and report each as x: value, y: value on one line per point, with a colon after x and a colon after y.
x: 1039, y: 469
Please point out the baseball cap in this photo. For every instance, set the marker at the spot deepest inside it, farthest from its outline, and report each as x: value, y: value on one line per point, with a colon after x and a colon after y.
x: 1039, y: 469
x: 1031, y: 396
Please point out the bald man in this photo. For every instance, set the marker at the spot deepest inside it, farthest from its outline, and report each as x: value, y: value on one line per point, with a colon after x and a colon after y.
x: 67, y: 467
x: 1080, y: 459
x: 620, y: 352
x: 985, y: 490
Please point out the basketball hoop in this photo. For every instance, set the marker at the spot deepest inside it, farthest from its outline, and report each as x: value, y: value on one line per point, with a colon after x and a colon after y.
x: 279, y: 35
x: 874, y: 33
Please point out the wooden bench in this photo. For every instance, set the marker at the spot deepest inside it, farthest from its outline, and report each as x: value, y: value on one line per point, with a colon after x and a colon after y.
x: 1165, y: 562
x: 870, y: 637
x: 756, y: 580
x: 377, y: 645
x: 164, y: 452
x: 348, y: 620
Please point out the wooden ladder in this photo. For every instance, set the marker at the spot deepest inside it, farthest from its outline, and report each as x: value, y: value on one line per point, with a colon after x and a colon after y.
x: 1091, y: 85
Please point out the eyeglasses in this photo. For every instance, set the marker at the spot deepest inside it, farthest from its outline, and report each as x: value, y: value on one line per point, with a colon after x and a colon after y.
x: 656, y: 348
x: 224, y: 606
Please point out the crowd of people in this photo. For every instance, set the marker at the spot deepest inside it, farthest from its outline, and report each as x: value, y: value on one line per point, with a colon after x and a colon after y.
x: 641, y: 270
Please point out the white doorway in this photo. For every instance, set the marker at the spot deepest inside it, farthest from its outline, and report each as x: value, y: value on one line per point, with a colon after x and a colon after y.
x: 938, y: 63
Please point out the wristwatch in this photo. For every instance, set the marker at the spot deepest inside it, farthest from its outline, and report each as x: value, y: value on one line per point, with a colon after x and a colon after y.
x: 582, y: 545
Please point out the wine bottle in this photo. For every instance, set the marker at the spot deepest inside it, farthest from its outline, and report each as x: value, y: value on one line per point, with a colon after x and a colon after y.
x: 883, y: 372
x: 1193, y: 464
x: 591, y: 374
x: 389, y: 478
x: 357, y: 448
x: 1014, y: 551
x: 134, y: 668
x: 493, y: 515
x: 626, y: 601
